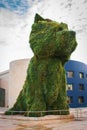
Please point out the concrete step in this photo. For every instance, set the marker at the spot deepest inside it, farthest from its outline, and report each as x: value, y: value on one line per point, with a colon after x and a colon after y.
x: 2, y: 110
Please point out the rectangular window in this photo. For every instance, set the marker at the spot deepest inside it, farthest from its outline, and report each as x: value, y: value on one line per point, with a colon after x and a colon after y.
x: 81, y: 99
x: 69, y: 87
x: 70, y: 74
x: 70, y: 99
x: 81, y: 75
x: 86, y: 76
x: 81, y: 87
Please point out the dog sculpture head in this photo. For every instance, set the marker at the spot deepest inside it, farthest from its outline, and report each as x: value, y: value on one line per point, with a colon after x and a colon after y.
x: 52, y: 39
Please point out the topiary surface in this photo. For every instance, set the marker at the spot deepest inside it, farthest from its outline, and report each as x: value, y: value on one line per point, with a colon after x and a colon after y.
x: 45, y: 84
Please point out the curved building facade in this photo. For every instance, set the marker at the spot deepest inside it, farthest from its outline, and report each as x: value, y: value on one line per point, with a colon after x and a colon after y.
x: 12, y: 81
x: 17, y: 76
x: 76, y: 74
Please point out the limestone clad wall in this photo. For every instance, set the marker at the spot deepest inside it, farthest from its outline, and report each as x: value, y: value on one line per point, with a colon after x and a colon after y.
x: 12, y: 80
x: 17, y: 76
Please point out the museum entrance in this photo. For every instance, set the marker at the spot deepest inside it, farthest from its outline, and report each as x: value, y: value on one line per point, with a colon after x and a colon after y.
x: 2, y: 97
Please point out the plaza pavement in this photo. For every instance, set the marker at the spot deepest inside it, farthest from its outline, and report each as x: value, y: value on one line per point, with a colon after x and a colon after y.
x: 51, y: 123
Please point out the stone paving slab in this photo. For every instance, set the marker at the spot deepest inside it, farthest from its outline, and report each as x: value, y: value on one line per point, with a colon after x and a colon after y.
x: 49, y: 123
x: 12, y: 124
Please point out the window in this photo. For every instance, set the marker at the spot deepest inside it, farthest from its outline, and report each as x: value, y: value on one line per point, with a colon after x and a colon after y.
x: 70, y: 74
x: 81, y: 99
x: 86, y: 76
x: 81, y: 75
x: 69, y: 87
x: 81, y: 87
x: 70, y: 99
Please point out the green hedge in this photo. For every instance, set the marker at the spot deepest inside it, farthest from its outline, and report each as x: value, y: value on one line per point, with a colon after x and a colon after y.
x: 45, y: 85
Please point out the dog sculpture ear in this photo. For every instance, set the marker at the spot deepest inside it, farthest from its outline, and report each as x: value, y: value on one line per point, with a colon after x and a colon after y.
x: 38, y: 18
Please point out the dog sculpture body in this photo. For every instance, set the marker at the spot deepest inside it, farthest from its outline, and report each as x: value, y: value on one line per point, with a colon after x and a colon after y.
x: 45, y: 85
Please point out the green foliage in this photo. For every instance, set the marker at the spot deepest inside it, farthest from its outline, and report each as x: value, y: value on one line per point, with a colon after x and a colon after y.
x: 38, y: 18
x: 45, y: 85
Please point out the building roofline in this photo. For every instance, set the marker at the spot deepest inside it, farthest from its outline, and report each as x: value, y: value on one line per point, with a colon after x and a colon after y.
x: 4, y: 72
x: 77, y: 61
x: 19, y: 60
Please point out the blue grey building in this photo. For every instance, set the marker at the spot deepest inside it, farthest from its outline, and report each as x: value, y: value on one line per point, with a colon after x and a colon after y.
x: 76, y: 74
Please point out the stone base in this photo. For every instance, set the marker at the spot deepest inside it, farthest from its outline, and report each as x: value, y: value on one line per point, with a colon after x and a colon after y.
x: 55, y: 117
x: 43, y: 118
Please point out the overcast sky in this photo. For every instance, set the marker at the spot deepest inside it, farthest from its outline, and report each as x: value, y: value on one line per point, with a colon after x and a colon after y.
x: 16, y: 18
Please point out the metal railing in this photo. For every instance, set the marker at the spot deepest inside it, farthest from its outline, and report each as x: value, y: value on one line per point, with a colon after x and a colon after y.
x: 41, y: 115
x: 77, y: 114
